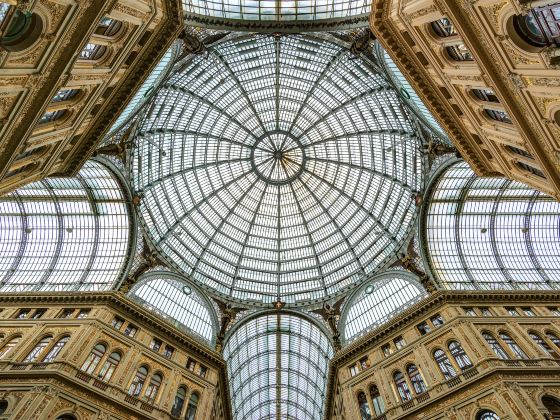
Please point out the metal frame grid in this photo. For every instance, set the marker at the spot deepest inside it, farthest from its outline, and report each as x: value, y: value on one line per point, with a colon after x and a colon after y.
x: 277, y: 365
x: 377, y: 301
x: 177, y: 301
x: 490, y: 233
x: 324, y: 214
x: 63, y: 234
x: 278, y: 10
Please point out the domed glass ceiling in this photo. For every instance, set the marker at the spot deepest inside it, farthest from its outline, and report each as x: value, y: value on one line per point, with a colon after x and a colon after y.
x: 277, y: 168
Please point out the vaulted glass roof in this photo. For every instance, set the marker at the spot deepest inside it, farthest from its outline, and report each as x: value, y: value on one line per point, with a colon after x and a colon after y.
x: 277, y: 168
x: 277, y: 364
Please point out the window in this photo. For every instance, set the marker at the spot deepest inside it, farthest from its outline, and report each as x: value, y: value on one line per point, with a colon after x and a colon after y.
x: 531, y: 169
x: 485, y: 312
x: 437, y: 320
x: 423, y: 328
x: 444, y: 364
x: 202, y: 371
x: 37, y: 350
x: 153, y: 388
x: 543, y: 345
x: 191, y: 408
x: 67, y: 313
x: 179, y: 402
x: 540, y: 27
x: 117, y: 323
x: 53, y: 352
x: 51, y: 116
x: 469, y: 311
x: 495, y: 346
x: 554, y: 311
x: 519, y: 151
x: 513, y: 346
x: 3, y: 403
x: 108, y: 27
x: 377, y: 400
x: 155, y: 345
x: 168, y: 351
x: 386, y: 349
x: 92, y: 51
x: 553, y: 406
x: 364, y: 407
x: 22, y: 314
x: 486, y: 95
x: 402, y: 386
x: 364, y: 362
x: 130, y: 330
x: 66, y: 417
x: 352, y: 369
x: 498, y: 115
x: 138, y: 381
x: 109, y: 366
x: 38, y: 313
x: 528, y: 311
x: 416, y: 379
x: 191, y: 364
x: 93, y: 359
x: 443, y: 27
x: 487, y: 415
x: 512, y: 312
x: 459, y: 52
x: 64, y: 95
x: 459, y: 355
x: 8, y: 347
x: 84, y: 313
x: 399, y: 342
x: 554, y: 338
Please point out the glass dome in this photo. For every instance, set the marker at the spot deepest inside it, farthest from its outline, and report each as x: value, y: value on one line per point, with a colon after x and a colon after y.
x: 277, y: 168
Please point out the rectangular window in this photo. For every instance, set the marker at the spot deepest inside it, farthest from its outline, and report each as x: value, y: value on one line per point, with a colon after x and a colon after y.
x: 437, y: 320
x: 528, y: 311
x: 353, y: 370
x: 155, y: 345
x: 191, y: 364
x: 485, y: 311
x: 130, y: 330
x: 39, y: 313
x: 117, y: 323
x: 84, y: 313
x: 554, y: 311
x: 424, y: 328
x: 67, y: 313
x: 203, y: 370
x: 22, y: 314
x: 512, y: 312
x: 364, y: 362
x: 469, y: 311
x: 386, y: 349
x: 168, y: 351
x: 399, y: 342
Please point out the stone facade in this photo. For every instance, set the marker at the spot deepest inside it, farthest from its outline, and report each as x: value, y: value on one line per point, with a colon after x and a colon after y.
x: 68, y: 384
x: 523, y: 82
x: 62, y: 92
x: 511, y: 387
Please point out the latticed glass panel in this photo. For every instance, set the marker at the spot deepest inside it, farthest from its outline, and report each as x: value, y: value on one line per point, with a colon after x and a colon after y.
x: 492, y: 233
x: 277, y: 168
x: 63, y: 234
x: 177, y: 302
x: 277, y: 366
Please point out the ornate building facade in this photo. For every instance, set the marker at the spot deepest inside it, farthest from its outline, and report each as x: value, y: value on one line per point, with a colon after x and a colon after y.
x: 488, y: 70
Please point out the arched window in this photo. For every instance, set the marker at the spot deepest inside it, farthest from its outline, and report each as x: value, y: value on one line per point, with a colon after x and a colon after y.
x: 498, y: 115
x: 51, y: 116
x: 153, y: 387
x: 531, y: 169
x: 444, y: 364
x: 543, y: 345
x: 3, y: 406
x: 92, y: 52
x: 365, y: 413
x: 138, y: 381
x: 38, y: 349
x: 64, y: 95
x: 459, y: 355
x: 108, y: 27
x: 377, y: 400
x: 443, y: 27
x: 487, y: 415
x: 7, y: 348
x: 191, y: 408
x: 518, y: 151
x: 486, y: 95
x: 416, y: 379
x: 66, y: 417
x: 94, y: 358
x: 513, y: 346
x: 540, y: 27
x: 179, y: 402
x: 109, y: 366
x: 20, y: 29
x: 495, y: 346
x: 554, y: 338
x: 402, y: 386
x: 53, y: 352
x: 553, y: 406
x: 459, y: 52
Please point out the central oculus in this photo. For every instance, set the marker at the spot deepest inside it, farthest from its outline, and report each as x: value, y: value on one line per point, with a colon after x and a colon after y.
x: 278, y: 158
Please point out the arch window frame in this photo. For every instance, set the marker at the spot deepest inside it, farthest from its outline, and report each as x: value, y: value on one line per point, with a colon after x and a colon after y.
x: 109, y: 367
x: 365, y: 411
x: 444, y: 364
x: 93, y: 358
x: 510, y: 342
x: 401, y: 386
x: 179, y: 401
x: 55, y: 349
x: 495, y: 346
x: 460, y: 355
x: 138, y: 381
x: 38, y: 349
x: 153, y: 388
x: 376, y: 399
x: 8, y: 346
x: 543, y: 345
x: 192, y: 406
x: 416, y: 379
